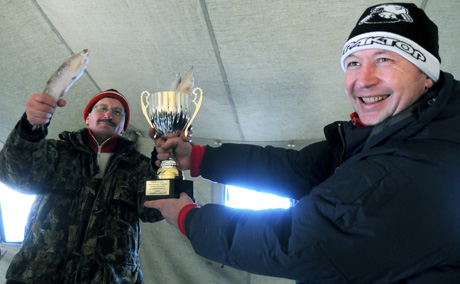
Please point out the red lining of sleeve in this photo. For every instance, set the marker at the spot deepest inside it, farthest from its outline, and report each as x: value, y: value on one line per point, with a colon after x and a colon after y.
x: 181, y: 218
x: 195, y: 160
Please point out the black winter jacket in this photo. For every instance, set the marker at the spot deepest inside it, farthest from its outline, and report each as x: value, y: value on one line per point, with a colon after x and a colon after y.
x: 376, y: 204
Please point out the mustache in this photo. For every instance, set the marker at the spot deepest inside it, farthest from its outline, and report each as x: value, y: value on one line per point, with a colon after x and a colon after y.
x: 109, y: 121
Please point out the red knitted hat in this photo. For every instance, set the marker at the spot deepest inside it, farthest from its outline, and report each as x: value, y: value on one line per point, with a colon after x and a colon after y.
x: 108, y: 94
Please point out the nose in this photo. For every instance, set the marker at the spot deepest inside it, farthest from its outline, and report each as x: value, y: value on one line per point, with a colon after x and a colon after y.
x: 367, y: 76
x: 108, y: 114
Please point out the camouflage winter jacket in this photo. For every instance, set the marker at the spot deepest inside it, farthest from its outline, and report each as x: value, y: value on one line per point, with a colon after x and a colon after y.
x: 80, y: 229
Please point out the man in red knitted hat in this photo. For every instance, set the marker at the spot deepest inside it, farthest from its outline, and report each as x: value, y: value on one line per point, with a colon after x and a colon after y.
x: 84, y: 225
x: 107, y: 114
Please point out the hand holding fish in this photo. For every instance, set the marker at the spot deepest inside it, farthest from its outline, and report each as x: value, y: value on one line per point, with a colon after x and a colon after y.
x: 60, y: 82
x: 40, y: 108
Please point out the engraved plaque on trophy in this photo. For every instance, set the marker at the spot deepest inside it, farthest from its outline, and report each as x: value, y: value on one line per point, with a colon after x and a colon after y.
x: 168, y: 113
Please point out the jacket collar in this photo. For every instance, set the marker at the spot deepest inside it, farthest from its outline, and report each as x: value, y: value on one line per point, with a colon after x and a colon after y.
x: 108, y: 146
x: 355, y: 120
x: 80, y: 140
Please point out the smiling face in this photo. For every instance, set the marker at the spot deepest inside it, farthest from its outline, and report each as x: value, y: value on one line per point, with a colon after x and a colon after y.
x: 104, y: 125
x: 381, y: 83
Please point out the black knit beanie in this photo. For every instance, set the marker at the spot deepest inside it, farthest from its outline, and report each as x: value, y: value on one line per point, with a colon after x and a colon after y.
x: 399, y: 27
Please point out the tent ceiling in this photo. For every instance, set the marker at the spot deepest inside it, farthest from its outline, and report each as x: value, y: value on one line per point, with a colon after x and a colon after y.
x: 269, y: 70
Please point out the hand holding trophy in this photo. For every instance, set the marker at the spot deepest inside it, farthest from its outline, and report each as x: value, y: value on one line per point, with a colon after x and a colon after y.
x: 168, y: 113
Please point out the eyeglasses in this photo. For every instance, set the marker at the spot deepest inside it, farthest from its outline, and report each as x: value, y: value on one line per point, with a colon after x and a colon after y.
x: 105, y: 108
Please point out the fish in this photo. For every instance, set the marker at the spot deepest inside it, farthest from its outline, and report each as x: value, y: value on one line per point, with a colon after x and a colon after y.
x: 67, y: 74
x: 187, y: 82
x: 64, y: 77
x: 176, y: 83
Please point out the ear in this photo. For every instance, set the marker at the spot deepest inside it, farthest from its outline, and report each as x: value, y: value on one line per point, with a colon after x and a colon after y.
x: 87, y: 120
x: 428, y: 83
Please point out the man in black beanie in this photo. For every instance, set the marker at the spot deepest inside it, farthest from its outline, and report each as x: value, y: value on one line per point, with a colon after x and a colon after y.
x: 378, y: 200
x: 405, y: 30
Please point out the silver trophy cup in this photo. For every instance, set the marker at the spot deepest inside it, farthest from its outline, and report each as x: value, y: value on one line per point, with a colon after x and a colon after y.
x: 168, y: 113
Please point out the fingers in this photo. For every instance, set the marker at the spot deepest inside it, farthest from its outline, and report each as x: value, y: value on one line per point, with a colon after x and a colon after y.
x: 40, y: 108
x: 187, y: 138
x: 170, y: 208
x: 180, y: 133
x: 42, y: 102
x: 185, y: 199
x: 175, y: 204
x: 156, y: 204
x: 159, y: 140
x: 176, y: 144
x: 164, y: 155
x: 167, y: 146
x: 61, y: 103
x: 152, y: 133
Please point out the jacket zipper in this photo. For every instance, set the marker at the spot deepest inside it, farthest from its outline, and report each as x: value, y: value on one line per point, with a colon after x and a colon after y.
x: 343, y: 147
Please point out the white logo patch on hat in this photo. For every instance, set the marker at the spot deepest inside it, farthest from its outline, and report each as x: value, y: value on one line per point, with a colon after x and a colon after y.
x: 405, y: 47
x: 387, y: 13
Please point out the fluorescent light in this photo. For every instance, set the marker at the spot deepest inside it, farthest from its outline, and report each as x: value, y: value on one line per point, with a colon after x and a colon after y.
x: 244, y: 198
x: 15, y: 210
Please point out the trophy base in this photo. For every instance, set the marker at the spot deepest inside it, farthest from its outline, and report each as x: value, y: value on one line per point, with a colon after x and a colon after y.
x: 167, y: 188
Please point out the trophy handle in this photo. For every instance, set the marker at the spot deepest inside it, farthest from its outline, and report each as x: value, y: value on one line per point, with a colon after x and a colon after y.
x: 145, y: 105
x: 197, y: 104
